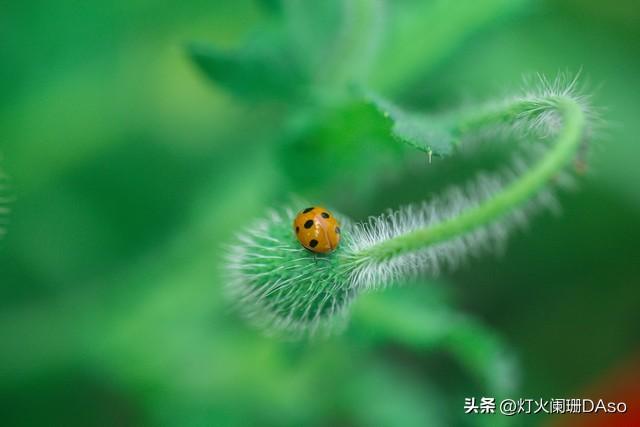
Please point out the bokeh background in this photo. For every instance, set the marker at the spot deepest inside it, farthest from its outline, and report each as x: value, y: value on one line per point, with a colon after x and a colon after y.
x: 131, y: 168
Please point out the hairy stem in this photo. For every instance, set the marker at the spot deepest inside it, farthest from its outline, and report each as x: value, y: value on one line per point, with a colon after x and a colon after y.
x: 561, y: 152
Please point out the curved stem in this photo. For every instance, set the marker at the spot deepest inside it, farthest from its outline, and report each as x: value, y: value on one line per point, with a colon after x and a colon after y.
x: 401, y: 317
x: 565, y: 145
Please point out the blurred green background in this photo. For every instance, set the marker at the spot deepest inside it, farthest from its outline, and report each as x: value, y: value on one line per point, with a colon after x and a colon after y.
x: 131, y: 169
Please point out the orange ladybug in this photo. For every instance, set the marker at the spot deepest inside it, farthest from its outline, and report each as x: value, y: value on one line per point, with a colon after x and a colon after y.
x: 317, y: 229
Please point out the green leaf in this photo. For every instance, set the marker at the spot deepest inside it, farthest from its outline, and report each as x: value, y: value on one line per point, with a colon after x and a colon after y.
x: 313, y: 29
x: 429, y: 133
x: 350, y: 143
x: 337, y: 40
x: 347, y: 145
x: 421, y: 318
x: 262, y: 69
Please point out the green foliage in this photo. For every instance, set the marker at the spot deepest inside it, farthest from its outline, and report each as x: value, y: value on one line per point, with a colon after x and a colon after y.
x: 353, y: 158
x: 132, y: 169
x: 423, y: 321
x: 433, y: 135
x: 263, y: 69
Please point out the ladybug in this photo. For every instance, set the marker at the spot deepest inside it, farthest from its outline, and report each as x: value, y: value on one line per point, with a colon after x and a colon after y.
x: 317, y: 229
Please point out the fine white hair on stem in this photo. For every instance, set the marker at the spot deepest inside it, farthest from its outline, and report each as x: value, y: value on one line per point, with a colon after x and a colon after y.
x: 369, y: 272
x: 540, y: 119
x: 285, y: 289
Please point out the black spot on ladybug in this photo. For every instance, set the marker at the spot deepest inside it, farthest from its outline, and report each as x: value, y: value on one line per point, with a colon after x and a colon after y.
x: 313, y: 243
x: 308, y: 224
x: 308, y: 210
x: 337, y: 230
x: 297, y: 229
x: 324, y: 215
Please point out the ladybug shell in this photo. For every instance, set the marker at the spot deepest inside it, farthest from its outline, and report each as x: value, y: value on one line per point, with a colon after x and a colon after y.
x: 317, y: 229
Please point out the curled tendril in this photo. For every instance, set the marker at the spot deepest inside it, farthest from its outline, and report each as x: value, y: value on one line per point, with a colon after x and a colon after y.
x: 285, y: 289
